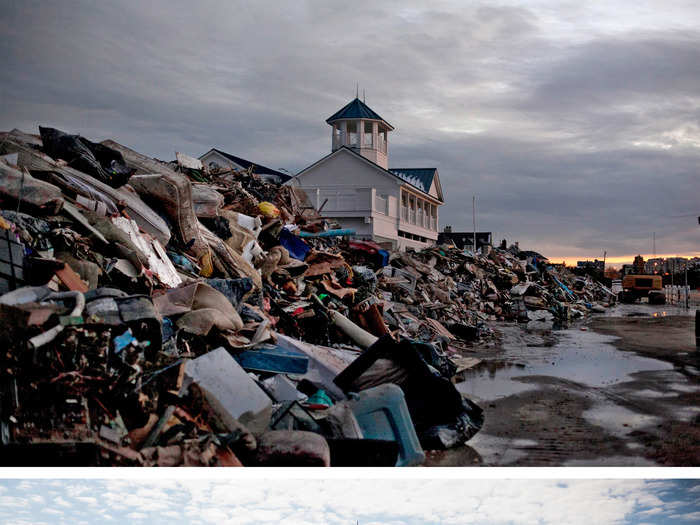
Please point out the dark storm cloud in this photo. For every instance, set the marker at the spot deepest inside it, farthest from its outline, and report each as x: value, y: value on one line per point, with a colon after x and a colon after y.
x: 588, y: 201
x: 573, y: 144
x: 651, y: 67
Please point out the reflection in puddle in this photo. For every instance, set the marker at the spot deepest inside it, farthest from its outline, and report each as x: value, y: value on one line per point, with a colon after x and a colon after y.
x: 617, y: 420
x: 587, y: 358
x: 647, y: 310
x: 492, y: 380
x: 500, y: 451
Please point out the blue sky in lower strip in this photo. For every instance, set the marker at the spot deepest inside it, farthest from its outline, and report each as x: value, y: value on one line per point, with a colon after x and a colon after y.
x: 371, y: 502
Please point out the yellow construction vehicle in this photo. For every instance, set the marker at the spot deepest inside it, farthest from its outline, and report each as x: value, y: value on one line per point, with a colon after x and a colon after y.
x: 634, y: 287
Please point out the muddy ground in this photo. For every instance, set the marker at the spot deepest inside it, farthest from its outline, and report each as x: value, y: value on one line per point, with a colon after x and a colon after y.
x: 620, y: 389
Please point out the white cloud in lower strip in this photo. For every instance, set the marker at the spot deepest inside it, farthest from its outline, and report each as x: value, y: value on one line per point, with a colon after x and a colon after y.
x: 389, y: 502
x: 62, y: 502
x: 691, y: 516
x: 651, y: 512
x: 7, y: 502
x: 451, y: 502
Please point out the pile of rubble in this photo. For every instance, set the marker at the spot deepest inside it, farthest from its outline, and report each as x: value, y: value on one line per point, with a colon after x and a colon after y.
x: 161, y: 314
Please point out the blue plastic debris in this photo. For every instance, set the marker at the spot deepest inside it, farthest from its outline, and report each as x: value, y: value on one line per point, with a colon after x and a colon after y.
x: 329, y: 233
x: 319, y: 399
x: 273, y: 358
x: 294, y: 245
x: 182, y: 262
x: 124, y: 340
x: 569, y: 293
x: 233, y: 289
x: 168, y: 329
x: 382, y: 413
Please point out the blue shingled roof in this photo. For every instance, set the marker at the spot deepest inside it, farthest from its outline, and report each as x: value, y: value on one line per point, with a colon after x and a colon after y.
x: 421, y: 178
x: 356, y: 109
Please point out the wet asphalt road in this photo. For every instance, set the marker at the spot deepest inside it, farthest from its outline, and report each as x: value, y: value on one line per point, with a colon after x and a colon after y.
x: 573, y: 398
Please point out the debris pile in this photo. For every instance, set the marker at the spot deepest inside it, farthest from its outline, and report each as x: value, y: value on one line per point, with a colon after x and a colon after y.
x: 162, y: 314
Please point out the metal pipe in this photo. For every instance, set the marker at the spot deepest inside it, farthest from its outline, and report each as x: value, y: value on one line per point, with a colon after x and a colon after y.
x: 362, y: 337
x: 359, y: 335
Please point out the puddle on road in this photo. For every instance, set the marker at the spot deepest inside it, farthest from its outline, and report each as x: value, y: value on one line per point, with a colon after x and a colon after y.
x: 647, y: 310
x: 586, y: 357
x: 617, y: 420
x: 495, y: 450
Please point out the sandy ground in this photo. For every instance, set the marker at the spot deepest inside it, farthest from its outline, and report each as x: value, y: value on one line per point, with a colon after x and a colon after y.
x: 622, y: 389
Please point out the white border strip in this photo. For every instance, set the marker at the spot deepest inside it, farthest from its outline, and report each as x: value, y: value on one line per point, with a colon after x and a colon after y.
x: 214, y: 473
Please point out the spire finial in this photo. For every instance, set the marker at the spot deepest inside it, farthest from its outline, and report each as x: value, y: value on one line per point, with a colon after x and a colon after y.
x: 363, y: 95
x: 357, y: 90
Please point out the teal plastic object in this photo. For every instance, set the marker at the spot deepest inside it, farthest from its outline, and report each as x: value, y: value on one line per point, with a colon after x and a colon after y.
x: 382, y: 413
x: 320, y: 398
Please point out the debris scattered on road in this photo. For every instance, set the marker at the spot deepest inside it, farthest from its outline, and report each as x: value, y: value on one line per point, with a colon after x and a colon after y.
x: 164, y: 314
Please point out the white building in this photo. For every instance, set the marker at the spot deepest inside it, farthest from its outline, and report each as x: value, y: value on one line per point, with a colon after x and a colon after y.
x: 395, y: 207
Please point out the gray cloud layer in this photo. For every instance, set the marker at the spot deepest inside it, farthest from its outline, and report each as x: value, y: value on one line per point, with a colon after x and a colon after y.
x: 578, y: 130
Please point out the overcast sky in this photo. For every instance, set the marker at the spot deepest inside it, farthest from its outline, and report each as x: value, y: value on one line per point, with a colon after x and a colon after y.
x: 577, y: 126
x: 345, y: 501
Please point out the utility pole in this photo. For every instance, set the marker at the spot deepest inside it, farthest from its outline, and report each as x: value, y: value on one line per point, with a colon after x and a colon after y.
x: 685, y: 271
x: 605, y: 254
x: 673, y: 271
x: 474, y: 221
x: 653, y: 243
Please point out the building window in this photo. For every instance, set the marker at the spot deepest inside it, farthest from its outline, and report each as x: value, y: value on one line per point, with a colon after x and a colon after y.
x: 353, y: 138
x: 381, y: 203
x: 381, y: 137
x: 368, y: 134
x: 337, y: 136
